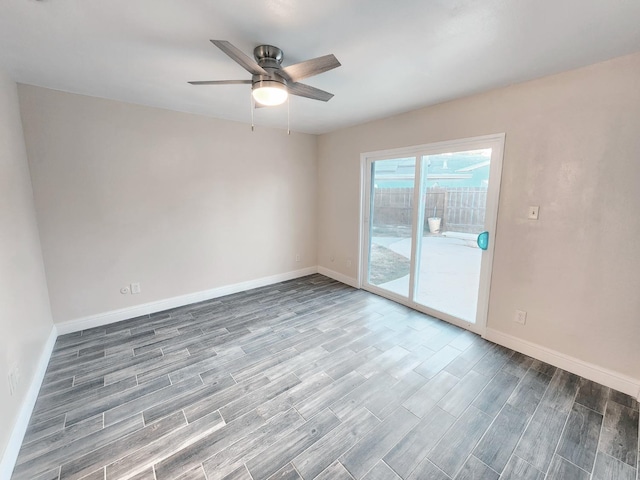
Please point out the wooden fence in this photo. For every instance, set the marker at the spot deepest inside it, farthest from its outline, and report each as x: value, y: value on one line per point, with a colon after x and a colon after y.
x: 462, y: 209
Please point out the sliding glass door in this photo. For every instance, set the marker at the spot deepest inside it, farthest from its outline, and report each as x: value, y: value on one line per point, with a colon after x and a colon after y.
x: 428, y: 226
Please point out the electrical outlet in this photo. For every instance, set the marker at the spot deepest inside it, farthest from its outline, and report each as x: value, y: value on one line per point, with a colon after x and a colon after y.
x: 348, y: 262
x: 124, y: 290
x: 332, y: 258
x: 297, y: 257
x: 14, y: 380
x: 135, y: 288
x: 533, y: 212
x: 520, y: 317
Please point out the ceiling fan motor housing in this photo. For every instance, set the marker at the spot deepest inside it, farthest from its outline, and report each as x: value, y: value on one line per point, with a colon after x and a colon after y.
x: 269, y: 53
x: 270, y: 59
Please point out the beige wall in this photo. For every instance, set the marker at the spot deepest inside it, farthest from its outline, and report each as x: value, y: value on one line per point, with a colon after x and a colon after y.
x: 180, y: 203
x: 572, y: 147
x: 25, y: 317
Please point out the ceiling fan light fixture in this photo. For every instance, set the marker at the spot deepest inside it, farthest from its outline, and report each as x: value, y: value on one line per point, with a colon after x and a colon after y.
x: 269, y: 93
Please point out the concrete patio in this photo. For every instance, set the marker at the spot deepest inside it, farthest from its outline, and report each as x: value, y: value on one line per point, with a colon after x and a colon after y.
x: 448, y: 275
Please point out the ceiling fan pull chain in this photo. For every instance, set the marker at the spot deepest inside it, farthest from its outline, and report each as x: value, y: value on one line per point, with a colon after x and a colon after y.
x: 288, y: 116
x: 252, y: 106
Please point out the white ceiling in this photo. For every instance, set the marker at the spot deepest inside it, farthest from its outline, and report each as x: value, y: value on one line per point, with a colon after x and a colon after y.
x: 396, y: 55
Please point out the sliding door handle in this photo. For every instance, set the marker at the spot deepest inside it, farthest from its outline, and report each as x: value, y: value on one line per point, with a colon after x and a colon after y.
x: 483, y: 240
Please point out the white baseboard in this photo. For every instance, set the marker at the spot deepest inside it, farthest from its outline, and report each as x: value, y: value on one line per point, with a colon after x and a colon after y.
x: 160, y: 305
x: 22, y: 422
x: 609, y: 378
x: 352, y: 282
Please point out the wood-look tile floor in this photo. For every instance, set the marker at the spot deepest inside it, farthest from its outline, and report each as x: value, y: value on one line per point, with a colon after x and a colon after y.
x: 313, y: 379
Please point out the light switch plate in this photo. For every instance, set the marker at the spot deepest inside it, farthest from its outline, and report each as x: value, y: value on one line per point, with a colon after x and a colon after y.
x: 533, y: 212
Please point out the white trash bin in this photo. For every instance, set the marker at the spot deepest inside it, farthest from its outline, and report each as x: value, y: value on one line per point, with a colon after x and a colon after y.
x: 434, y: 224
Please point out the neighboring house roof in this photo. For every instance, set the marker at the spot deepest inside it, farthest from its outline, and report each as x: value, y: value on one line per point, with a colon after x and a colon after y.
x: 447, y: 170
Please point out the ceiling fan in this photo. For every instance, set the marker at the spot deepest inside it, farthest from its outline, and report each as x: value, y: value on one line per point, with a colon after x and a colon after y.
x: 271, y: 83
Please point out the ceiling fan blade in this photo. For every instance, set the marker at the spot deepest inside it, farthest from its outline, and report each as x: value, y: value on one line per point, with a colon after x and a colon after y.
x: 239, y: 57
x: 222, y: 82
x: 282, y: 74
x: 311, y: 67
x: 302, y: 90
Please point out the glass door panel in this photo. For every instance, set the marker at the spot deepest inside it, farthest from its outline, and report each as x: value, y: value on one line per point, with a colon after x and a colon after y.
x: 453, y: 189
x: 390, y: 226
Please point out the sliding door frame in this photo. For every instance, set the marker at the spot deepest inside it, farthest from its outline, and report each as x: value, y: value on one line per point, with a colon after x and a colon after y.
x: 496, y: 143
